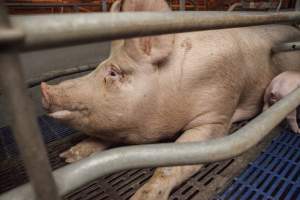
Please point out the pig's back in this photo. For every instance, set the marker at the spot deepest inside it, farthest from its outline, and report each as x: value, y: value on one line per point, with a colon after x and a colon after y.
x: 229, y: 68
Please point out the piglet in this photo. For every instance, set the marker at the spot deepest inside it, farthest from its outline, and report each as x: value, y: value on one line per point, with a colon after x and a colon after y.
x: 281, y: 86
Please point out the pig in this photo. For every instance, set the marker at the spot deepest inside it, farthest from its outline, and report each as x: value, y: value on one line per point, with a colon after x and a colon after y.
x: 185, y: 87
x: 281, y: 86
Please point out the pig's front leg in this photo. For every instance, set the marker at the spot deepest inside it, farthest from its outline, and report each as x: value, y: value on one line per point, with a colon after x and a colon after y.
x: 292, y: 121
x: 84, y: 149
x: 165, y: 179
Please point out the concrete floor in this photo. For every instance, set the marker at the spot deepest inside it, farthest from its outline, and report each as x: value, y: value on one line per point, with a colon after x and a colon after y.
x: 38, y: 62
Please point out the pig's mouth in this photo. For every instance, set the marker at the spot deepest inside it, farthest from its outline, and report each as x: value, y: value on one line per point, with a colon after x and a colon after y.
x: 59, y: 110
x: 63, y: 113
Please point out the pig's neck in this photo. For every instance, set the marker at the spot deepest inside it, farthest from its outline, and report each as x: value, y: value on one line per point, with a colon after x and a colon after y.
x: 171, y: 96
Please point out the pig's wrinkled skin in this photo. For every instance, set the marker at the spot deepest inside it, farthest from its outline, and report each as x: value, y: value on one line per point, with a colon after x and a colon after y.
x: 152, y: 88
x: 281, y: 86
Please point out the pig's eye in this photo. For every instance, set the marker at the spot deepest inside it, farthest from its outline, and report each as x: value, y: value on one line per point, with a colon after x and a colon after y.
x: 112, y: 73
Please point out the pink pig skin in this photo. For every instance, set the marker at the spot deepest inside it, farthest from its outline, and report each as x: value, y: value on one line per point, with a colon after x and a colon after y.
x: 281, y: 86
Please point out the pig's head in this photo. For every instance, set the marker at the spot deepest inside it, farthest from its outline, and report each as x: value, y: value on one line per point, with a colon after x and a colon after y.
x: 122, y: 88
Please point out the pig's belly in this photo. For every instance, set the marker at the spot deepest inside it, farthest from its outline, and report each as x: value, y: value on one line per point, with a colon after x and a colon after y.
x: 133, y: 138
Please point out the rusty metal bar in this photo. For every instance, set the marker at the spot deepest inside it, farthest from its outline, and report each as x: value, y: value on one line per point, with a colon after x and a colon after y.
x: 24, y: 124
x: 77, y: 174
x: 44, y: 31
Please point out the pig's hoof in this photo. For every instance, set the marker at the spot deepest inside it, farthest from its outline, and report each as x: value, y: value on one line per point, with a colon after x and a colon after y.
x: 151, y: 192
x: 71, y: 155
x: 83, y: 150
x: 296, y: 130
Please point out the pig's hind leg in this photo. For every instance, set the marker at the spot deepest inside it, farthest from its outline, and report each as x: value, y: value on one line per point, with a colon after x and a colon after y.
x: 165, y: 179
x: 83, y: 149
x: 292, y: 121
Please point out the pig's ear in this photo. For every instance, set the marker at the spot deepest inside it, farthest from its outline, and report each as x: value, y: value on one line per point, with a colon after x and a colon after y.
x: 153, y: 49
x: 156, y: 48
x: 145, y: 5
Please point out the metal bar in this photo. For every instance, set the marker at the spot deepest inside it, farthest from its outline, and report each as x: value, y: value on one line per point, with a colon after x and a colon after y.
x: 279, y: 6
x: 10, y: 35
x: 182, y: 5
x: 24, y: 124
x: 297, y: 6
x: 44, y: 31
x: 104, y: 5
x: 57, y: 74
x: 75, y: 175
x: 234, y: 6
x: 292, y: 46
x: 24, y: 5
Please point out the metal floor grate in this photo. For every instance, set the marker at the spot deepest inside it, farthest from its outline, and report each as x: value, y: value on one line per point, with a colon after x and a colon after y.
x: 212, y: 178
x: 275, y: 174
x: 122, y: 185
x: 50, y: 130
x: 12, y: 172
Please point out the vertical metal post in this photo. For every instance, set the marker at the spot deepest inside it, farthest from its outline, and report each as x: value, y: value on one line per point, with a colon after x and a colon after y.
x: 76, y: 7
x: 205, y: 4
x: 104, y: 5
x: 182, y: 5
x: 23, y: 120
x: 297, y: 7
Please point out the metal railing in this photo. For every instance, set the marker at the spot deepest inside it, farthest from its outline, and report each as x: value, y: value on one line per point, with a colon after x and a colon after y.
x: 36, y: 32
x: 45, y: 31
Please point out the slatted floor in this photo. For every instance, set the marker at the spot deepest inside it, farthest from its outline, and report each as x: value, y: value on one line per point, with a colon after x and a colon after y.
x: 119, y: 186
x: 275, y: 174
x: 50, y: 129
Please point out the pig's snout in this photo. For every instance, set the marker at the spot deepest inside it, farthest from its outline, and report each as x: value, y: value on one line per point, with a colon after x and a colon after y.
x: 64, y: 101
x: 45, y: 95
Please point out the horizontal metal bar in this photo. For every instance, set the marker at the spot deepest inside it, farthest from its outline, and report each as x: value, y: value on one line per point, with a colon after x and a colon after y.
x: 44, y: 31
x: 57, y: 74
x: 10, y: 36
x: 292, y: 46
x: 75, y: 175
